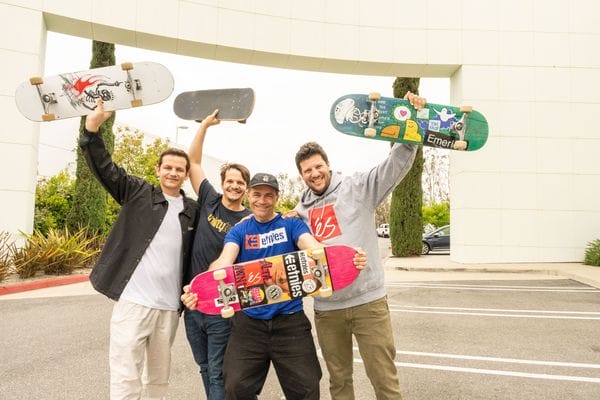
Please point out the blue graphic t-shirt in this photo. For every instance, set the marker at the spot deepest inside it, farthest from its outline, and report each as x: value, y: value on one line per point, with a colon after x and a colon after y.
x: 259, y: 240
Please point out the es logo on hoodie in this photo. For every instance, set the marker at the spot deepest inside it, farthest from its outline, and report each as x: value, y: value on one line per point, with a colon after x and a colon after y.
x: 324, y: 223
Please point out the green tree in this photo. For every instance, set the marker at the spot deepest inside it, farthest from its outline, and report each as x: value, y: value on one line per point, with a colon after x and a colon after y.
x: 137, y: 158
x: 406, y: 221
x: 90, y: 198
x: 437, y: 214
x: 289, y: 192
x: 53, y: 200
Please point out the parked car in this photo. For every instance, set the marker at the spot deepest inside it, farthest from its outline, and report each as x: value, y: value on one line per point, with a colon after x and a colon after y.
x: 437, y: 240
x: 383, y: 230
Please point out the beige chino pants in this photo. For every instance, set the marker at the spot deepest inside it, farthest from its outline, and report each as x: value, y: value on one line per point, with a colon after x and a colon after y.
x: 140, y: 351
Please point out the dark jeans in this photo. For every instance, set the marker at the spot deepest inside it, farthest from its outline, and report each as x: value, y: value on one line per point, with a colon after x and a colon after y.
x: 208, y: 335
x: 286, y: 341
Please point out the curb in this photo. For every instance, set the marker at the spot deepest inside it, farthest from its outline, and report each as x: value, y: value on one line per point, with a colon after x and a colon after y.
x: 42, y: 283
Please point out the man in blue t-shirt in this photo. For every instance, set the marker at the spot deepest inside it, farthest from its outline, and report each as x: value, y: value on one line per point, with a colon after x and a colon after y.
x: 279, y: 333
x: 208, y: 334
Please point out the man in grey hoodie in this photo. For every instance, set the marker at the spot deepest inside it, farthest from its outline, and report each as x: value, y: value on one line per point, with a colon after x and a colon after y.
x: 341, y: 210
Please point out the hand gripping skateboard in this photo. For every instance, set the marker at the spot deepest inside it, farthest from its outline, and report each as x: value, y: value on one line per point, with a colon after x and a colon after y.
x: 275, y: 279
x: 75, y: 94
x: 233, y: 104
x: 396, y: 120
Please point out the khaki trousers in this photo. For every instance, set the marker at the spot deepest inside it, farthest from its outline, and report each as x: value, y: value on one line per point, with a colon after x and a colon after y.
x: 371, y: 326
x: 140, y: 351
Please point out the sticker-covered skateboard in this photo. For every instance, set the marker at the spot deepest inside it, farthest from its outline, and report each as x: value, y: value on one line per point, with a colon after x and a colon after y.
x: 396, y: 120
x: 74, y: 94
x: 275, y: 279
x: 233, y: 104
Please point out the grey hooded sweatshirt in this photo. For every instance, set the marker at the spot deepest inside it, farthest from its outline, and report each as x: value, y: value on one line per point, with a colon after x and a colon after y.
x: 345, y: 214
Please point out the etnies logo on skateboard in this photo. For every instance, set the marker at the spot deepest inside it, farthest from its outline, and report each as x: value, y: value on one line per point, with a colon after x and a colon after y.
x: 324, y: 223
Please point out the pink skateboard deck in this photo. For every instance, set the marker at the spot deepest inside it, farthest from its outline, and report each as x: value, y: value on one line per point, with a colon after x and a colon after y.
x: 275, y: 279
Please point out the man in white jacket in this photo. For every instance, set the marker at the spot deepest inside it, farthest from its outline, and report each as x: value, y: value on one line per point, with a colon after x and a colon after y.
x: 341, y: 210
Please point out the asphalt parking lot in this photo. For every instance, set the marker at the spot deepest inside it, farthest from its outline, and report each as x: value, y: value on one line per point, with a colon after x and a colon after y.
x: 458, y: 335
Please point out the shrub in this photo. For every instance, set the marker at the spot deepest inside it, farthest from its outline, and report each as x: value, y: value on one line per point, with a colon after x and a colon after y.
x: 58, y: 252
x: 592, y: 253
x: 7, y: 251
x: 53, y: 199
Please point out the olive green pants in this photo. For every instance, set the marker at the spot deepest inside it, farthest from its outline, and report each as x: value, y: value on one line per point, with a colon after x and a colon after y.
x: 371, y: 326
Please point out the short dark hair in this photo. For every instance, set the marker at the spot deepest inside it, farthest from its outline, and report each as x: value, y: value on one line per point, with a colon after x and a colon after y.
x: 307, y: 150
x: 243, y: 170
x: 171, y: 151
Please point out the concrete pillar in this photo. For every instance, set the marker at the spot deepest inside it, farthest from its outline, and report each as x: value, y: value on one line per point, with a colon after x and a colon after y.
x: 22, y: 46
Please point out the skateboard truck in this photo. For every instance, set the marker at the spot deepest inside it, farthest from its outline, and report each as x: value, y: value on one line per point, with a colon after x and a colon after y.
x: 45, y: 98
x: 373, y: 98
x: 225, y: 291
x: 319, y: 272
x: 460, y: 127
x: 134, y: 84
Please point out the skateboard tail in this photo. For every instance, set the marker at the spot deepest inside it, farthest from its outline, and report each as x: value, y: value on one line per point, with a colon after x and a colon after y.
x: 341, y: 265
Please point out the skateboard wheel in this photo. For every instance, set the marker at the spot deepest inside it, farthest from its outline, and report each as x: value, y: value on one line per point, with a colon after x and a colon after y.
x: 460, y: 145
x: 317, y: 253
x: 136, y: 103
x: 48, y: 117
x: 370, y: 132
x: 36, y: 80
x: 227, y: 312
x: 219, y: 274
x: 374, y: 96
x: 126, y: 66
x: 466, y: 109
x: 325, y: 292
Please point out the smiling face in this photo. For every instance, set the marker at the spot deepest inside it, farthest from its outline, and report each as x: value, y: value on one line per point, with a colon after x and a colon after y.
x: 316, y: 173
x: 262, y: 199
x: 234, y: 186
x: 172, y: 172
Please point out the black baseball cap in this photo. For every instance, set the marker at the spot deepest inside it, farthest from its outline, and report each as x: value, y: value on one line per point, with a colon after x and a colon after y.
x: 264, y: 179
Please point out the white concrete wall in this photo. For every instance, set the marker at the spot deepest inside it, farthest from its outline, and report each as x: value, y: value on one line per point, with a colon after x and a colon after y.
x: 22, y: 45
x: 531, y: 66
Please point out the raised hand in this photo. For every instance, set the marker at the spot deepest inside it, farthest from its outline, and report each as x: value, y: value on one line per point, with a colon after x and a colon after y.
x: 97, y: 118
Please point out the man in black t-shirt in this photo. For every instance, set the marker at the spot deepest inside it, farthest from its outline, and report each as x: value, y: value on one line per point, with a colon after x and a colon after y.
x: 208, y: 334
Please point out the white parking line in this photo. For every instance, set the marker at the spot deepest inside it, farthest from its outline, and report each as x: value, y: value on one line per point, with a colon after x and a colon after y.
x: 498, y: 359
x: 492, y: 288
x: 498, y: 372
x: 500, y: 310
x: 485, y: 371
x: 481, y: 314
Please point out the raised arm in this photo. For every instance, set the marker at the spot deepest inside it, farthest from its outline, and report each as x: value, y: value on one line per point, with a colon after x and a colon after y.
x: 228, y: 256
x: 197, y: 174
x: 113, y: 178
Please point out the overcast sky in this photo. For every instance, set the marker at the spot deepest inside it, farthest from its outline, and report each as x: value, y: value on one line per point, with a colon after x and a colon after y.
x: 292, y: 107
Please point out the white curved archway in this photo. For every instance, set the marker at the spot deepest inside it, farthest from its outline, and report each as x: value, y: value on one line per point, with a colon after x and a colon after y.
x: 528, y: 196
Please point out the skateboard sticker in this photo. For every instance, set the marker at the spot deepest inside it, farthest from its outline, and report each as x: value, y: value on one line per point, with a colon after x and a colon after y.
x: 233, y: 299
x: 391, y: 131
x: 309, y: 285
x: 445, y: 115
x: 436, y: 139
x: 402, y: 113
x: 83, y: 91
x: 423, y: 113
x: 412, y: 132
x: 434, y: 125
x: 252, y: 296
